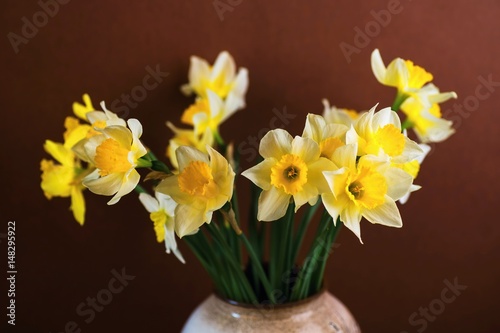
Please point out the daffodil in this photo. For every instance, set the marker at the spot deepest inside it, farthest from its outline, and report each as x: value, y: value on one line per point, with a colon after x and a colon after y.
x: 161, y: 211
x: 220, y: 79
x: 64, y: 179
x: 104, y: 118
x: 203, y: 185
x: 380, y: 133
x: 367, y: 188
x: 424, y: 114
x: 292, y: 168
x: 413, y: 168
x: 115, y: 154
x: 209, y: 113
x: 329, y: 136
x: 402, y: 74
x: 334, y: 115
x: 81, y: 110
x: 185, y: 137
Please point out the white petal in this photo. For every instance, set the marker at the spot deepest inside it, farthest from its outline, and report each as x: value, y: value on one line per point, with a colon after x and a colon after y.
x: 378, y: 66
x: 216, y: 104
x: 385, y: 117
x: 307, y: 149
x: 386, y: 214
x: 260, y: 174
x: 275, y: 143
x: 107, y: 185
x: 315, y: 175
x: 345, y: 156
x: 398, y: 181
x: 314, y: 127
x: 224, y: 66
x: 272, y: 204
x: 351, y: 217
x: 333, y: 205
x: 308, y: 193
x: 170, y: 243
x: 188, y: 219
x: 150, y: 203
x: 240, y: 84
x: 187, y: 154
x: 128, y: 185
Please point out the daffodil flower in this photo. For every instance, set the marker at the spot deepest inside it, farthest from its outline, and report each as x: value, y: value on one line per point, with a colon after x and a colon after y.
x: 380, y: 133
x: 402, y: 74
x: 185, y: 137
x: 334, y: 115
x: 368, y: 188
x: 115, y: 154
x: 220, y: 79
x: 64, y: 179
x: 424, y: 114
x: 209, y: 113
x: 203, y: 185
x: 81, y: 110
x: 161, y: 211
x: 413, y: 168
x: 329, y: 136
x: 292, y: 168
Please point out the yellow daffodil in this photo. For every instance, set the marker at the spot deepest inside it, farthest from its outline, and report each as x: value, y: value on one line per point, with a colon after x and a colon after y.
x: 81, y: 110
x: 329, y: 136
x: 161, y: 211
x: 115, y: 154
x: 413, y: 168
x: 334, y: 115
x: 211, y: 112
x: 380, y: 133
x: 367, y: 188
x: 203, y: 185
x: 64, y: 179
x: 424, y: 114
x: 292, y: 168
x: 220, y: 79
x: 401, y: 74
x: 184, y: 137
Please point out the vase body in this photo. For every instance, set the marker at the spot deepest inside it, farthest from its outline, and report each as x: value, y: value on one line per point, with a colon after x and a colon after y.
x: 320, y: 313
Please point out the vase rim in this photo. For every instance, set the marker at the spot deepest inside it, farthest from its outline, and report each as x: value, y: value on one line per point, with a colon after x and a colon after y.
x: 275, y: 306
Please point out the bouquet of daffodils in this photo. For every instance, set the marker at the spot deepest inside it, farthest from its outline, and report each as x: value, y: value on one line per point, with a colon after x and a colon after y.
x: 349, y: 165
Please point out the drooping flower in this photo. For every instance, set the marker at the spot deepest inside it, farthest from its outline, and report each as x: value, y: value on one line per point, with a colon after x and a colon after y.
x: 424, y: 114
x: 368, y: 188
x: 185, y: 137
x: 292, y: 168
x: 81, y: 110
x: 380, y: 133
x: 401, y: 74
x: 209, y: 113
x: 161, y: 211
x: 329, y: 136
x: 220, y: 79
x: 64, y: 179
x: 115, y: 154
x: 203, y: 185
x: 334, y: 115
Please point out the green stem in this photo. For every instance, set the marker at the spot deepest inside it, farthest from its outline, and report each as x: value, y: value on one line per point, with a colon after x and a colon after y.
x: 332, y: 233
x: 257, y: 267
x: 140, y: 189
x: 400, y: 98
x: 304, y: 223
x: 406, y: 124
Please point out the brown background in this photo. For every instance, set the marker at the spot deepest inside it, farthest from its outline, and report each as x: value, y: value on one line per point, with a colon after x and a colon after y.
x: 291, y: 49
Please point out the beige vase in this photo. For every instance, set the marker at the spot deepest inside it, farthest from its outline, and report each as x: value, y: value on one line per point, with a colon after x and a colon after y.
x: 320, y: 313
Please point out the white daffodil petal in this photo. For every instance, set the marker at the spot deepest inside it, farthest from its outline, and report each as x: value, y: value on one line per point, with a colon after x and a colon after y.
x: 307, y: 149
x: 260, y: 174
x: 107, y: 185
x: 272, y: 204
x: 385, y: 214
x: 275, y: 143
x: 150, y: 203
x: 308, y: 193
x: 188, y: 219
x: 186, y: 155
x: 128, y: 184
x: 378, y: 66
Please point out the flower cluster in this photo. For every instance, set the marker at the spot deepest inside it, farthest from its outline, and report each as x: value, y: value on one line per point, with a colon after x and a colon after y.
x: 356, y: 164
